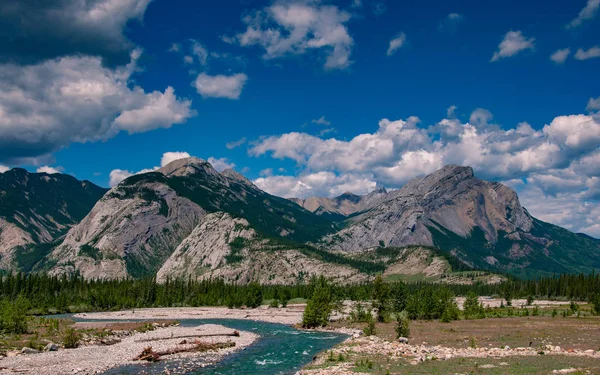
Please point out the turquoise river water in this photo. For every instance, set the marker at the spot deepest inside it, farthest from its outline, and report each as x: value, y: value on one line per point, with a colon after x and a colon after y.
x: 280, y: 350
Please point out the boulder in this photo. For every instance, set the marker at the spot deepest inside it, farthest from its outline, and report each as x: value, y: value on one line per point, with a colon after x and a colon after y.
x: 51, y: 347
x: 27, y: 350
x: 402, y: 340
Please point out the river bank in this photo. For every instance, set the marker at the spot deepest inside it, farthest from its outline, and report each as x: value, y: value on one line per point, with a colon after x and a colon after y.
x: 96, y: 359
x: 290, y: 315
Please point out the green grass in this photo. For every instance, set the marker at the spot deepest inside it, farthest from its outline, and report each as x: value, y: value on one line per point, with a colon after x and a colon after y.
x: 536, y: 365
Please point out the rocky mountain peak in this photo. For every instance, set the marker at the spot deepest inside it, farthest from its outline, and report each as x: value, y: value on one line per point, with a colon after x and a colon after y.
x: 187, y: 167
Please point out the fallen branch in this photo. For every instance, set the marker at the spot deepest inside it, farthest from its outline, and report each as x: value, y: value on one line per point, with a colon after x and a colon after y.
x: 232, y: 334
x: 199, y: 346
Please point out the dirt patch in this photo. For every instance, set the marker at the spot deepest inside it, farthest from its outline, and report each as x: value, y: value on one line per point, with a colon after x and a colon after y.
x: 575, y: 333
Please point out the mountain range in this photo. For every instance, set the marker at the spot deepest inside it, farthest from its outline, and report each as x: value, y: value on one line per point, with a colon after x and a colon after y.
x: 188, y: 220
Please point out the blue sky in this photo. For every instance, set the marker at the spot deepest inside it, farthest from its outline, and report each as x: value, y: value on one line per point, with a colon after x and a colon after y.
x: 311, y: 97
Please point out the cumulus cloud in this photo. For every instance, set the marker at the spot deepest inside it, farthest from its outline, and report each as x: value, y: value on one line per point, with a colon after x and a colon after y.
x: 36, y: 30
x: 172, y: 156
x: 396, y: 43
x: 220, y: 86
x: 47, y: 169
x: 561, y: 55
x: 560, y: 158
x: 589, y: 54
x: 587, y: 13
x: 235, y: 144
x: 513, y: 43
x: 315, y: 184
x: 297, y: 27
x: 221, y: 164
x: 49, y: 105
x: 3, y: 168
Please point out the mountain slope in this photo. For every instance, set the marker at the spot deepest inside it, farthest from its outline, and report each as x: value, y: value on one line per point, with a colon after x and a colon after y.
x: 344, y: 205
x: 227, y: 247
x: 137, y: 225
x: 36, y: 209
x: 481, y: 223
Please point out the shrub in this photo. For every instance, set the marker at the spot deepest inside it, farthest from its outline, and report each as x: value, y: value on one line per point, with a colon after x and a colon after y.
x: 359, y: 314
x: 371, y: 328
x: 274, y: 303
x: 472, y: 308
x: 402, y: 325
x: 529, y: 300
x: 595, y: 301
x: 70, y: 338
x: 13, y: 315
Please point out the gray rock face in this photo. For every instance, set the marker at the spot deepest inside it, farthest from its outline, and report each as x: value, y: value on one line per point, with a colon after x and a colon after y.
x: 207, y: 246
x: 450, y: 199
x: 131, y: 228
x: 227, y: 247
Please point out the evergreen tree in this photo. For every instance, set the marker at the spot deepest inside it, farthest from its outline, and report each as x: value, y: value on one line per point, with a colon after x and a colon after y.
x: 320, y: 305
x: 380, y: 297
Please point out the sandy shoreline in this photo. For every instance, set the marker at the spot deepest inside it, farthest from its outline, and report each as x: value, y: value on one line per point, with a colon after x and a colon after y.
x: 290, y: 315
x: 96, y: 359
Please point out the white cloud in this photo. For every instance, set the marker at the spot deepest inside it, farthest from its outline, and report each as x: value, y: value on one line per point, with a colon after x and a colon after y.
x: 200, y: 52
x: 321, y: 121
x: 235, y: 144
x: 559, y: 160
x: 587, y: 13
x: 49, y: 105
x: 396, y: 44
x: 513, y: 43
x: 175, y: 47
x: 172, y: 156
x: 297, y: 27
x: 220, y: 86
x: 188, y: 60
x: 593, y: 104
x: 315, y: 184
x: 47, y: 169
x: 221, y: 164
x: 589, y: 54
x: 3, y: 168
x: 561, y: 55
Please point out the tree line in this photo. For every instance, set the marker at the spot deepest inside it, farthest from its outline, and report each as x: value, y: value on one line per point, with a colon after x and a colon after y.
x: 51, y: 294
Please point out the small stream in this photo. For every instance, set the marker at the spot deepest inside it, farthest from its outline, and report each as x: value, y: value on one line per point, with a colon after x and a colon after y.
x: 280, y: 350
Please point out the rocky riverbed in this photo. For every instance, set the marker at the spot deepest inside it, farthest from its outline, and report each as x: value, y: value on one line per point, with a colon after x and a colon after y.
x: 96, y: 357
x: 366, y: 347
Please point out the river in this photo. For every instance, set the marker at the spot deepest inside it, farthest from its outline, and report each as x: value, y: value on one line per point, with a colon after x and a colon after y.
x: 280, y: 350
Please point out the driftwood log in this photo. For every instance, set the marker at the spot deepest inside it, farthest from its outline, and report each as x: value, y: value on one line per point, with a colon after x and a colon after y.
x: 232, y: 334
x: 199, y: 346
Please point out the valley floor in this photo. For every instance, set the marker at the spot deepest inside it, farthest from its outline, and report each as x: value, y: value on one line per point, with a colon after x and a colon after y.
x: 518, y: 345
